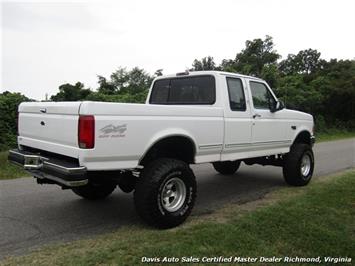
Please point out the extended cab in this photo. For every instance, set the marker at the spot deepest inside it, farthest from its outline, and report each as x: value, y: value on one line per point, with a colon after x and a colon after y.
x: 188, y: 118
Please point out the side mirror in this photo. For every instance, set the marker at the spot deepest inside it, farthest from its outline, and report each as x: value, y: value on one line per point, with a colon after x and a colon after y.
x: 281, y: 105
x: 277, y: 106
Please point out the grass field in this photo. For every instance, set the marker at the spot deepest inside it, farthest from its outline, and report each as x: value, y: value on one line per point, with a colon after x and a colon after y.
x: 312, y: 221
x: 334, y: 135
x: 7, y: 170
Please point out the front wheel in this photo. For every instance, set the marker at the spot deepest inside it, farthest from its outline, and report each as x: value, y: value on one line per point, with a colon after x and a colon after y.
x: 165, y: 193
x: 299, y: 165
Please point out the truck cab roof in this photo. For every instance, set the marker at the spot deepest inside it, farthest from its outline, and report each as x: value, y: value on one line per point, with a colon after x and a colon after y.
x: 207, y: 72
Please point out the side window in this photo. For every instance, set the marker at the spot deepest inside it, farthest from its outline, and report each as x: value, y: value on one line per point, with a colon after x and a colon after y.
x: 262, y: 98
x: 236, y: 94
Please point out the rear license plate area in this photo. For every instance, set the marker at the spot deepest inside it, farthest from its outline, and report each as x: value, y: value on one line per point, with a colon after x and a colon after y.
x: 32, y: 162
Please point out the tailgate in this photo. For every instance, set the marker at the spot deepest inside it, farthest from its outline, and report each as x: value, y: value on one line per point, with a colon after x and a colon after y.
x: 50, y: 126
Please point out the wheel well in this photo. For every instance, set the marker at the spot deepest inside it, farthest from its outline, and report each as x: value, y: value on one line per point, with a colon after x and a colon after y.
x: 303, y: 137
x: 178, y: 147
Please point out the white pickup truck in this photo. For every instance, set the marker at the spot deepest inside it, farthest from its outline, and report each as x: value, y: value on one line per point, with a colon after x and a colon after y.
x: 188, y: 118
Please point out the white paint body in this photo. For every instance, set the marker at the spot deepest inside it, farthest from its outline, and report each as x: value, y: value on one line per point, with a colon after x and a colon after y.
x: 217, y: 132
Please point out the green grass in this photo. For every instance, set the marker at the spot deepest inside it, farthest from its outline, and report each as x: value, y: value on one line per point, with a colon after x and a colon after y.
x: 312, y: 221
x: 334, y: 135
x: 7, y: 170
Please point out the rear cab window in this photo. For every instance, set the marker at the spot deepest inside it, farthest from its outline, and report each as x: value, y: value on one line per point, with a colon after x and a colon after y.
x: 236, y: 94
x: 184, y: 90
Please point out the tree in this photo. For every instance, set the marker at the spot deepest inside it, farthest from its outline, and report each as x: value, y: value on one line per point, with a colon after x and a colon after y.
x: 206, y: 63
x: 133, y: 81
x: 124, y: 86
x: 69, y: 92
x: 299, y: 95
x: 228, y: 65
x: 271, y: 74
x: 138, y: 80
x: 305, y: 62
x: 105, y: 87
x: 158, y: 72
x: 339, y: 102
x: 257, y: 54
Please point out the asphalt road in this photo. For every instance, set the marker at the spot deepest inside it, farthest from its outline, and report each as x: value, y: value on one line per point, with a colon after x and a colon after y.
x: 32, y: 215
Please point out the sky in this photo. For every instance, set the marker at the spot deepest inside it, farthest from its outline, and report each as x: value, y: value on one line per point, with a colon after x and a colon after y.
x: 45, y: 44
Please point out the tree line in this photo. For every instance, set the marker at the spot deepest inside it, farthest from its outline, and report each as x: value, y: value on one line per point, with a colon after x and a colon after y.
x: 303, y: 81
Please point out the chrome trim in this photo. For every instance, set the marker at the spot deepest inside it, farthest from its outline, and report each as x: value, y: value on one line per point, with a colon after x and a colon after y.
x: 210, y: 146
x: 16, y: 163
x: 32, y: 162
x: 173, y: 194
x: 15, y: 152
x: 306, y: 165
x: 45, y: 164
x: 260, y: 143
x: 64, y: 169
x: 40, y: 164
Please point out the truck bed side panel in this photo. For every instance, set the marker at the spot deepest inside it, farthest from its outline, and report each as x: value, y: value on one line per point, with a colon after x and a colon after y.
x: 124, y: 132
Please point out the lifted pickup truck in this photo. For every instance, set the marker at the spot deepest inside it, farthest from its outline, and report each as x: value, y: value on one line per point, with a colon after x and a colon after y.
x: 188, y: 118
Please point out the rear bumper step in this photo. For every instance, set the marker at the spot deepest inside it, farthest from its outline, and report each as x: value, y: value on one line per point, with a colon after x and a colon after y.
x: 59, y: 171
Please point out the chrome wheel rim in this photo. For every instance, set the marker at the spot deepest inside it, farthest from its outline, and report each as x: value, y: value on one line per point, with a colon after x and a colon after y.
x: 173, y: 194
x: 306, y: 165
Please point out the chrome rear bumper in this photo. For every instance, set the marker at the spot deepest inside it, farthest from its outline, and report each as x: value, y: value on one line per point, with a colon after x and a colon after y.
x: 59, y: 171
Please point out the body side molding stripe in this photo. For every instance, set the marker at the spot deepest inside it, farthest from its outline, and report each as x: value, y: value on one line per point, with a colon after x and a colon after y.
x: 261, y: 143
x: 210, y: 146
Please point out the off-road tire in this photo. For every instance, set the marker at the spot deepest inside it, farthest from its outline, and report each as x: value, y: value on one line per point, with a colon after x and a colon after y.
x: 226, y: 167
x: 148, y: 195
x: 94, y: 191
x: 292, y: 168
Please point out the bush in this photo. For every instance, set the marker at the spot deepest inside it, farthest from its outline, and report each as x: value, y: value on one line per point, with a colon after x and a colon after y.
x: 320, y: 124
x: 8, y: 112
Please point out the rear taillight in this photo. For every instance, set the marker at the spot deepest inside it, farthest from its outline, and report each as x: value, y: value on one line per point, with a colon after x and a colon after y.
x: 86, y: 131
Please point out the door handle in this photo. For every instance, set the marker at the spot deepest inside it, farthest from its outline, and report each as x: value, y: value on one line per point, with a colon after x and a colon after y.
x: 256, y: 115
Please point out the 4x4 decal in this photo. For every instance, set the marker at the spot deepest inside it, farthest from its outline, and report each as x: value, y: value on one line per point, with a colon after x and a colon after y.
x: 113, y: 131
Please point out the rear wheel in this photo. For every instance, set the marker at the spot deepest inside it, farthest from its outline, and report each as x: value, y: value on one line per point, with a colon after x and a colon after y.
x: 165, y: 193
x: 93, y: 191
x: 299, y: 165
x: 226, y: 167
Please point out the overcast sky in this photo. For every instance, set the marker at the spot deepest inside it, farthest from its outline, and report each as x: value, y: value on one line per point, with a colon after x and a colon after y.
x: 46, y: 44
